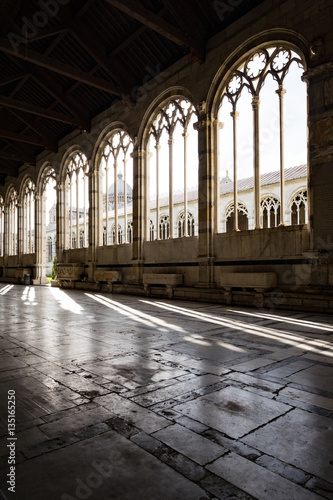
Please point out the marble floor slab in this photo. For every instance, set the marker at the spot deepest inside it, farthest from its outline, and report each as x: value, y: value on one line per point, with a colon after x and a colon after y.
x: 127, y: 398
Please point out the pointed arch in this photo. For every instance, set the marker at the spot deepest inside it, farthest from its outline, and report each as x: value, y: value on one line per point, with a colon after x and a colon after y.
x: 170, y: 143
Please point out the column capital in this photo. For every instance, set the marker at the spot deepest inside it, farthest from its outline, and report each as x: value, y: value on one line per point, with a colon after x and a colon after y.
x: 203, y: 122
x: 280, y: 91
x: 255, y: 102
x: 234, y: 114
x: 138, y: 152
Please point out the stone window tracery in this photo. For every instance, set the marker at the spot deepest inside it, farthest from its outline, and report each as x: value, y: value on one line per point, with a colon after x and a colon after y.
x: 172, y: 161
x: 77, y: 201
x: 242, y: 213
x: 117, y: 185
x: 299, y: 208
x: 29, y: 217
x: 164, y: 227
x: 151, y: 231
x: 130, y: 232
x: 182, y: 225
x: 270, y: 212
x: 257, y: 122
x: 13, y: 222
x: 116, y: 236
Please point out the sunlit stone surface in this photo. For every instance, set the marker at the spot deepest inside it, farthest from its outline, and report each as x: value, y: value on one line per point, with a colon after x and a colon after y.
x: 123, y: 398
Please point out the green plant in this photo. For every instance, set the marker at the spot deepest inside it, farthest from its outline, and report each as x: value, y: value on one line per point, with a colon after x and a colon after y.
x: 54, y: 268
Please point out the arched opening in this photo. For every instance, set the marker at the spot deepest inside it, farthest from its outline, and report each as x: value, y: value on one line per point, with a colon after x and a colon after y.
x: 263, y: 129
x: 243, y: 221
x: 172, y: 165
x: 116, y: 167
x: 12, y: 222
x: 77, y: 201
x: 29, y: 217
x: 48, y: 221
x: 299, y: 208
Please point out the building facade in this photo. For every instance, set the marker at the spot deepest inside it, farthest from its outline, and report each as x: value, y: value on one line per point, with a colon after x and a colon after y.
x: 155, y: 186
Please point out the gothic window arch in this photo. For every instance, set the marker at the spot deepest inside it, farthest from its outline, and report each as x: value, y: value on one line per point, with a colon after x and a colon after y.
x: 270, y: 212
x: 77, y: 201
x: 262, y: 117
x: 2, y: 225
x: 151, y: 231
x: 81, y: 238
x: 164, y: 227
x: 299, y: 208
x: 116, y: 167
x: 118, y: 235
x: 172, y: 161
x: 183, y: 224
x: 13, y: 222
x: 130, y: 232
x: 242, y: 213
x: 29, y: 217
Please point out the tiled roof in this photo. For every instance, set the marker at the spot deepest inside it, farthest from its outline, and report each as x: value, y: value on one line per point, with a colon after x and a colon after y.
x: 227, y: 185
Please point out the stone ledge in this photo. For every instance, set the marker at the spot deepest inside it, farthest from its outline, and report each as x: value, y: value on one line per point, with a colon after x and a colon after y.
x: 260, y: 282
x: 169, y: 280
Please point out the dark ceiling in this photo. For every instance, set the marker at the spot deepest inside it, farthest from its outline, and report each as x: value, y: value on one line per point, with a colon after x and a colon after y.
x: 64, y: 61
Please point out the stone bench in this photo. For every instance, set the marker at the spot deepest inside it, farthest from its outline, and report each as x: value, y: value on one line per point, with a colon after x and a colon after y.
x: 260, y: 282
x: 69, y: 273
x: 107, y: 276
x: 169, y: 280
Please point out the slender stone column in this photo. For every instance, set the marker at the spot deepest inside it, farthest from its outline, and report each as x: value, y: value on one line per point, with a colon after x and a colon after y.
x: 170, y: 142
x: 40, y: 250
x: 125, y: 203
x: 234, y: 114
x: 77, y: 208
x: 95, y: 217
x: 20, y: 231
x: 185, y: 135
x: 70, y: 210
x: 157, y: 190
x: 107, y: 170
x: 115, y: 176
x: 280, y: 92
x: 256, y: 161
x: 139, y: 208
x: 61, y: 221
x: 85, y: 242
x: 217, y: 126
x: 6, y: 237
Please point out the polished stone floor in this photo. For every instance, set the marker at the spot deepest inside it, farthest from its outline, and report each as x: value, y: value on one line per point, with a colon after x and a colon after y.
x: 125, y: 398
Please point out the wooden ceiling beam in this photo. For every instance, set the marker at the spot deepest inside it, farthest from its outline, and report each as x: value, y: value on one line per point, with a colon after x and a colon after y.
x: 13, y: 78
x: 13, y: 136
x: 90, y: 41
x: 61, y: 68
x: 54, y: 89
x: 134, y: 9
x: 47, y: 136
x: 4, y: 169
x: 47, y: 33
x: 45, y: 113
x: 17, y: 158
x: 184, y: 13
